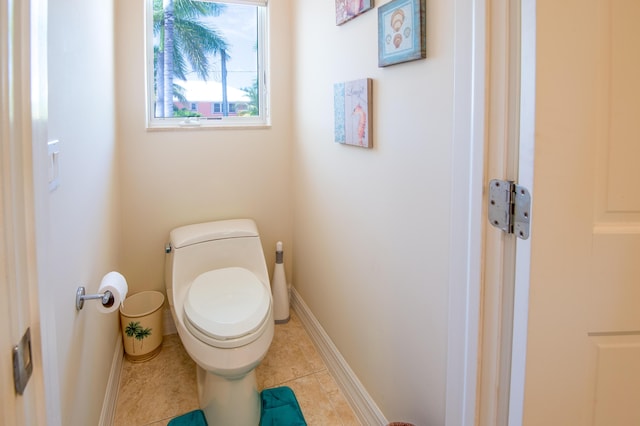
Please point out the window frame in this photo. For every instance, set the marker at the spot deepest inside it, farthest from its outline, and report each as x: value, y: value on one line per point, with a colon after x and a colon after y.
x: 263, y: 119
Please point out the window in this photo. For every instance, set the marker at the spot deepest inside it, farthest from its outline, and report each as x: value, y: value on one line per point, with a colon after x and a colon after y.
x: 206, y: 63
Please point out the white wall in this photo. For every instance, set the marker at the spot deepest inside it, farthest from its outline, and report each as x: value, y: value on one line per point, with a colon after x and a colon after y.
x: 173, y: 178
x: 80, y: 242
x: 372, y: 227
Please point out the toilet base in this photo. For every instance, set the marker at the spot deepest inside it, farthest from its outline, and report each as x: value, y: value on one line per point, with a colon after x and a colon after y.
x: 229, y: 402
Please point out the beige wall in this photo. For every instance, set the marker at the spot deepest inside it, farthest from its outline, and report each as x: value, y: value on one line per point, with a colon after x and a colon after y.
x: 80, y: 242
x: 372, y: 227
x: 173, y: 178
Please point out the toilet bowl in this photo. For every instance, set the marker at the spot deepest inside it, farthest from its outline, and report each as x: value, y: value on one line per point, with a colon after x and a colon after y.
x: 220, y: 299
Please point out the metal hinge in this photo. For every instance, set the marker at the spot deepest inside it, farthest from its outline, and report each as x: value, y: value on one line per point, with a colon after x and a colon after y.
x: 510, y: 207
x: 22, y: 362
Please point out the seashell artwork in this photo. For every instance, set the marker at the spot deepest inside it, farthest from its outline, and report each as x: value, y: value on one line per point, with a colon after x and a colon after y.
x: 346, y: 10
x: 401, y: 32
x: 352, y: 109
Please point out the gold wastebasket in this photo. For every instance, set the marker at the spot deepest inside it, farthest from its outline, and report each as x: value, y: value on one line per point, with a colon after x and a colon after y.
x: 141, y: 321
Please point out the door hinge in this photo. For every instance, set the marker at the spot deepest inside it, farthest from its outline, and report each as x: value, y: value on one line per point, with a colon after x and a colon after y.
x: 22, y: 362
x: 510, y: 207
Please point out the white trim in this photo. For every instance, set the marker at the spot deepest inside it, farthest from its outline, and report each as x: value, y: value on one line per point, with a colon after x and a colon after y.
x: 525, y: 178
x: 465, y: 271
x: 361, y: 402
x: 113, y: 385
x: 40, y: 188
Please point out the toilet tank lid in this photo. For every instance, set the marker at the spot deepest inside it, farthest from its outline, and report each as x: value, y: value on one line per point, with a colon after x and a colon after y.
x: 211, y: 231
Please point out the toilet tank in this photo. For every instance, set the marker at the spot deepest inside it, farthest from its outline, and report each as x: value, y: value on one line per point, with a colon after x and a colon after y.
x: 201, y: 247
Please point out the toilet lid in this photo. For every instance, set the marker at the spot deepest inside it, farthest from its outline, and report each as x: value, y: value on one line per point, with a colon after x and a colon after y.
x: 227, y: 303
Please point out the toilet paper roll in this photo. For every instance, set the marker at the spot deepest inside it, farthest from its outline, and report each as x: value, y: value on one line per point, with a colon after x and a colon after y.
x: 117, y: 285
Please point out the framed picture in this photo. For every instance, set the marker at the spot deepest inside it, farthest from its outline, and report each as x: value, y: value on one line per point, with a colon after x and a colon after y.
x: 349, y: 9
x: 401, y: 32
x: 352, y: 110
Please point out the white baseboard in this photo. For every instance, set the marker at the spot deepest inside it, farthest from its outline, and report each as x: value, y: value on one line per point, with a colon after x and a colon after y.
x: 113, y: 384
x: 363, y: 405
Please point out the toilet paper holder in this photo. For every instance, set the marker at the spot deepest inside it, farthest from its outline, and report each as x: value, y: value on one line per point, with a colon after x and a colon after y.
x: 106, y: 298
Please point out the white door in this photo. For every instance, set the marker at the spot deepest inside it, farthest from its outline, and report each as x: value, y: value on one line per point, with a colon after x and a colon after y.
x: 583, y: 345
x: 18, y: 301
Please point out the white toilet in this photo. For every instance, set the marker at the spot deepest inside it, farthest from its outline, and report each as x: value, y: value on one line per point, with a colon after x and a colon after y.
x: 220, y: 299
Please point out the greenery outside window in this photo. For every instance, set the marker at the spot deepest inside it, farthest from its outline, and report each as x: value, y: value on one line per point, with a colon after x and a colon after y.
x: 202, y: 53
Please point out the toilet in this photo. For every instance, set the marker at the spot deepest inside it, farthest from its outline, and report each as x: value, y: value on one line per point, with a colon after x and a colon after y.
x: 220, y: 299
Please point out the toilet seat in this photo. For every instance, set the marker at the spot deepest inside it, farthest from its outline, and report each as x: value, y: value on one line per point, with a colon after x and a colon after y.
x: 224, y: 307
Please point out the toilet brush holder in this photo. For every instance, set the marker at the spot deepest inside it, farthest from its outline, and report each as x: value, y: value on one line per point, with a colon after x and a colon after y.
x: 280, y: 289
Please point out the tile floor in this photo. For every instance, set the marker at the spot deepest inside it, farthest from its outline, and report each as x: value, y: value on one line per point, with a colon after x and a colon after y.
x: 153, y: 392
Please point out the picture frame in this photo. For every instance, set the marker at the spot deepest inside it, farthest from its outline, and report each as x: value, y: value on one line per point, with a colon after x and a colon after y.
x: 401, y: 32
x: 347, y: 10
x: 352, y: 112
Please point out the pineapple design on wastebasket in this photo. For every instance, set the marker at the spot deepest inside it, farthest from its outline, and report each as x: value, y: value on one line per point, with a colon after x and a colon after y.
x: 137, y: 332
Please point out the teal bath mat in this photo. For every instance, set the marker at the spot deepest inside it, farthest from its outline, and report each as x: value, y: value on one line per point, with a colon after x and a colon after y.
x: 279, y: 408
x: 192, y: 418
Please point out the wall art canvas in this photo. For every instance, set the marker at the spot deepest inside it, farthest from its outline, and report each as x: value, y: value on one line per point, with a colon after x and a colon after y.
x: 352, y: 106
x: 349, y: 9
x: 401, y: 32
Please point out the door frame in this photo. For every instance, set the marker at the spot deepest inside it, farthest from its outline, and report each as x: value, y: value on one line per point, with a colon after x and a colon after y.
x: 20, y: 126
x: 468, y: 157
x: 526, y: 145
x: 494, y: 114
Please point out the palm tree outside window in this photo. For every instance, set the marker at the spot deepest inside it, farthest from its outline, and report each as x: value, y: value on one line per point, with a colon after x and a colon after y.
x: 199, y: 59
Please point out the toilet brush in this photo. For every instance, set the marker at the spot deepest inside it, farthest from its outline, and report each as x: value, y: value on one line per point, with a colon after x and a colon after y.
x: 279, y: 288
